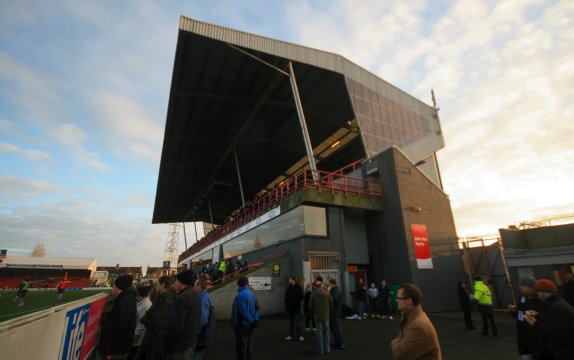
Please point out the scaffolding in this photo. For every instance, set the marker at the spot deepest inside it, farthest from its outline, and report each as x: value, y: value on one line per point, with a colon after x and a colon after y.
x: 484, y: 256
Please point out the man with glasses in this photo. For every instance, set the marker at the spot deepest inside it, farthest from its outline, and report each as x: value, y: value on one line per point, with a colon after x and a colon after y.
x: 417, y: 338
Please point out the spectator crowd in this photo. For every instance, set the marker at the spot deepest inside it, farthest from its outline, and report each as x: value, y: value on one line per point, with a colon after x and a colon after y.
x: 175, y: 318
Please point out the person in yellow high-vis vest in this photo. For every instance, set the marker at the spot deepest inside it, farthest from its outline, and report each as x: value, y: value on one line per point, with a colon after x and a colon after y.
x: 483, y: 296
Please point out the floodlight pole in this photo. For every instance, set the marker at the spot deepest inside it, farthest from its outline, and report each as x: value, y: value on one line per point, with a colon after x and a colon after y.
x: 302, y: 121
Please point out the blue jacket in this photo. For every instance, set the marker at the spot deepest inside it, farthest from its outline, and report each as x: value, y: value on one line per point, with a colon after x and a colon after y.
x: 244, y: 312
x: 206, y: 334
x: 205, y: 308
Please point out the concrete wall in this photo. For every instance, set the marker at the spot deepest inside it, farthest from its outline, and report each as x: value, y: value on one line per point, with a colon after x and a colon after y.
x: 389, y: 243
x: 393, y: 254
x: 543, y: 237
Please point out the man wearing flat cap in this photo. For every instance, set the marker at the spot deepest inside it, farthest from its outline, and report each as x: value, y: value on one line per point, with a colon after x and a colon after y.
x: 183, y: 327
x: 119, y: 325
x: 555, y: 322
x: 530, y: 346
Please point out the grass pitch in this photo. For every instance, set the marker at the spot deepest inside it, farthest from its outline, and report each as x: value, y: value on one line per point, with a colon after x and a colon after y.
x: 38, y: 300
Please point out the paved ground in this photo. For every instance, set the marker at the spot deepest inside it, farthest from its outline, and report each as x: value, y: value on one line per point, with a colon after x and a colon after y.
x: 370, y: 339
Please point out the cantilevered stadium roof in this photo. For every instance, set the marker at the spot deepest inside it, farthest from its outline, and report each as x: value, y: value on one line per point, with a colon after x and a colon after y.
x: 232, y: 111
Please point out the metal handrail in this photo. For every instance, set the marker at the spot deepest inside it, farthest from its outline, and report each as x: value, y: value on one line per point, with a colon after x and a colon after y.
x: 303, y: 179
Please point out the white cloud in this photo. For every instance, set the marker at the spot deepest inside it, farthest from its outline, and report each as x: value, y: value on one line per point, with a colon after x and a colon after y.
x: 503, y: 75
x: 30, y: 90
x: 97, y: 233
x: 70, y: 134
x: 137, y: 132
x: 26, y: 188
x: 30, y: 154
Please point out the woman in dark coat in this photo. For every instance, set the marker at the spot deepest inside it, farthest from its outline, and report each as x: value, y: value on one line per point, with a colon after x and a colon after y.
x: 464, y: 302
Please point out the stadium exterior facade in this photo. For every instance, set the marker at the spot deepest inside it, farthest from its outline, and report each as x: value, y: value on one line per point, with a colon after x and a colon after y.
x: 296, y: 151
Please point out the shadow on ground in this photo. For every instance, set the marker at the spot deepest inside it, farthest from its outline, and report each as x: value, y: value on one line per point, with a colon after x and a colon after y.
x: 370, y: 339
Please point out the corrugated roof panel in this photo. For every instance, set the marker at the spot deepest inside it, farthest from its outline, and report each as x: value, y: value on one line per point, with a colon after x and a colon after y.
x: 322, y: 59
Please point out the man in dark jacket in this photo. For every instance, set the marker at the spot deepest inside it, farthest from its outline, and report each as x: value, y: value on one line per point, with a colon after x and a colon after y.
x: 156, y: 321
x: 183, y: 327
x: 361, y: 293
x: 293, y: 298
x: 119, y: 325
x: 530, y: 345
x: 335, y: 315
x: 556, y: 322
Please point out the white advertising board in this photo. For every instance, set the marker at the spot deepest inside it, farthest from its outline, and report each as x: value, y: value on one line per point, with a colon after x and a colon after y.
x: 260, y: 283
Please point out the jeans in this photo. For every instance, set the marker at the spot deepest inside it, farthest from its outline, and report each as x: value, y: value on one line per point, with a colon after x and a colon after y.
x: 323, y: 337
x: 335, y: 327
x: 309, y: 320
x: 360, y: 307
x: 243, y: 342
x: 294, y: 328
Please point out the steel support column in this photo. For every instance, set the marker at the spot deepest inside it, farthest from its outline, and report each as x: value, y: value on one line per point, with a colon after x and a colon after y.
x: 239, y: 176
x: 302, y: 121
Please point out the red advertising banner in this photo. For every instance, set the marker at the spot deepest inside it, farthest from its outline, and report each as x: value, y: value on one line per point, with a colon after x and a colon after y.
x: 81, y: 329
x: 93, y: 327
x: 422, y: 248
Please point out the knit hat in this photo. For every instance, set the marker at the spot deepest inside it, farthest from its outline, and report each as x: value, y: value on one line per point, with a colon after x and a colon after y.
x: 124, y: 282
x: 185, y: 277
x: 527, y: 281
x: 546, y: 285
x: 242, y: 281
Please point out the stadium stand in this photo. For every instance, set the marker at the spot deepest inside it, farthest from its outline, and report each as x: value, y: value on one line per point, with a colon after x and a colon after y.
x: 46, y: 272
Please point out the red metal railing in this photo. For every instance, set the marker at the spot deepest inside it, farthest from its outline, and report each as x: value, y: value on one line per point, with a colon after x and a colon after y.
x: 303, y: 179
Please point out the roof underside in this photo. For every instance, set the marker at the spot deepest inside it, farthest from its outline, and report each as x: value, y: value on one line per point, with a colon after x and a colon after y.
x: 229, y: 103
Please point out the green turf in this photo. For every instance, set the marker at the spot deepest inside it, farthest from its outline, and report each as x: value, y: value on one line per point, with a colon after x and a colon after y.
x: 36, y: 301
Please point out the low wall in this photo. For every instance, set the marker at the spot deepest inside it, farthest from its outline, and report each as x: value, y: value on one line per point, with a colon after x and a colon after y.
x: 68, y: 331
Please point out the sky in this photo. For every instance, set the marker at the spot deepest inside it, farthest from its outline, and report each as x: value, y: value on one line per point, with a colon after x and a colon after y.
x: 84, y: 89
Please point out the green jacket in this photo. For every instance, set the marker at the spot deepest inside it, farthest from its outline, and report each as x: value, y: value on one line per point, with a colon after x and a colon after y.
x: 482, y: 293
x: 223, y: 266
x: 24, y: 286
x: 321, y: 304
